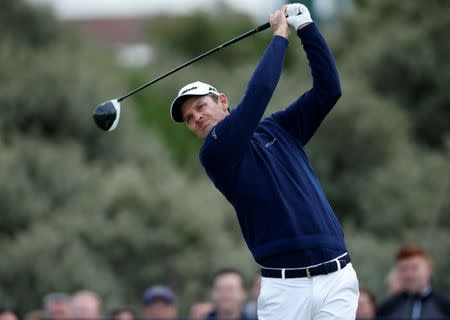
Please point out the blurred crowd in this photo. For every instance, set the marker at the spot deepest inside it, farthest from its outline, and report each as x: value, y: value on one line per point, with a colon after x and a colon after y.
x: 159, y: 302
x: 409, y: 295
x: 409, y: 291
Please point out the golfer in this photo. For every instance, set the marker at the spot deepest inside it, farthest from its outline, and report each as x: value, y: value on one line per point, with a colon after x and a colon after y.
x: 260, y: 166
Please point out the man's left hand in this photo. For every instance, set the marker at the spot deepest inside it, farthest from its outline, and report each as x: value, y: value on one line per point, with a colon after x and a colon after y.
x: 298, y: 15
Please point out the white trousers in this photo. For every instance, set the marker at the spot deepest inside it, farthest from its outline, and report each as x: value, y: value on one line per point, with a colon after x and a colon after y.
x: 331, y: 296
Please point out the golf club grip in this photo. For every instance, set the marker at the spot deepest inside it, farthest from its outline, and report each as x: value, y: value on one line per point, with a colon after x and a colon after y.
x: 266, y: 25
x: 263, y: 27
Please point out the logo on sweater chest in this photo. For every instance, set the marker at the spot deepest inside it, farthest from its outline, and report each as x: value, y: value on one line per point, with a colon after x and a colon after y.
x: 268, y: 144
x: 213, y: 133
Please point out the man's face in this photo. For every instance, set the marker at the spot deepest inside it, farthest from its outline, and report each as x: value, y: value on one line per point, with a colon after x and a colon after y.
x: 59, y: 310
x: 8, y: 316
x: 366, y: 309
x: 86, y: 307
x: 202, y: 113
x: 228, y: 293
x: 414, y: 273
x: 160, y: 309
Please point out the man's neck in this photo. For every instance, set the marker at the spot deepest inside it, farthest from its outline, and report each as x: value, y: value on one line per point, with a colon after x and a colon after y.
x: 229, y: 315
x: 422, y: 292
x: 426, y: 291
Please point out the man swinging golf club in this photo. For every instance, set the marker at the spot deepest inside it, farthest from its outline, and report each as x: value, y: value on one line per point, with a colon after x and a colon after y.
x: 261, y: 168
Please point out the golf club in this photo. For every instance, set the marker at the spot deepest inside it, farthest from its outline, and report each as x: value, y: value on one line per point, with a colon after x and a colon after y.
x: 107, y: 114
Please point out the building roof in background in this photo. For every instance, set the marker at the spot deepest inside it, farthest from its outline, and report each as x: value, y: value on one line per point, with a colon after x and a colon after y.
x: 114, y: 30
x: 125, y: 34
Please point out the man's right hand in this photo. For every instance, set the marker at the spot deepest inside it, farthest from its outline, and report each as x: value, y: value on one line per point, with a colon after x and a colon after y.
x: 298, y: 15
x: 279, y: 23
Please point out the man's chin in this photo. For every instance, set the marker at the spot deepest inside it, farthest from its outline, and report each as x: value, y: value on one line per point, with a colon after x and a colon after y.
x: 206, y: 131
x: 201, y: 134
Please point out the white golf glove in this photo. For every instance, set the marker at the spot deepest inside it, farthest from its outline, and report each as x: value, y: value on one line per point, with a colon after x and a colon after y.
x: 298, y: 15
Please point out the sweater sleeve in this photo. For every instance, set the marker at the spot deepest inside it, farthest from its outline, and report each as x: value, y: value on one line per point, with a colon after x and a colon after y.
x: 304, y: 116
x: 231, y: 137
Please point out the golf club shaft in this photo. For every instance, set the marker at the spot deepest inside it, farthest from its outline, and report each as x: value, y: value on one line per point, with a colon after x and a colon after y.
x: 226, y: 44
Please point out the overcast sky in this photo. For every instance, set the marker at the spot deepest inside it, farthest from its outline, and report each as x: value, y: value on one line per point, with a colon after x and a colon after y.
x: 89, y: 8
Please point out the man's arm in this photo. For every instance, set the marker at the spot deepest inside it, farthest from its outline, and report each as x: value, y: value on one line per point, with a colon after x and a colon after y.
x: 305, y: 115
x: 232, y: 135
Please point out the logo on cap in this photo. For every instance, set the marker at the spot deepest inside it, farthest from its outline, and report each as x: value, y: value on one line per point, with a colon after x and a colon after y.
x: 187, y: 90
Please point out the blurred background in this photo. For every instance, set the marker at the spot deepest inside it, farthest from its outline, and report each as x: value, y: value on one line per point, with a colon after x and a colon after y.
x: 116, y: 213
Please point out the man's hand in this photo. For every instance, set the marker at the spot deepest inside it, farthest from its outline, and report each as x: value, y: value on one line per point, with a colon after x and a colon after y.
x: 298, y: 15
x: 279, y: 23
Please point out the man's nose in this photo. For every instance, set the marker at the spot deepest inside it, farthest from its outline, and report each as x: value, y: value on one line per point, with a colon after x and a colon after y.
x: 198, y: 116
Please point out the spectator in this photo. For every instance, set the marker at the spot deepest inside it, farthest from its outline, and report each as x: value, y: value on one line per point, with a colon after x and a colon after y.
x: 57, y: 306
x: 122, y: 314
x: 366, y: 305
x: 159, y: 303
x: 228, y: 295
x: 86, y: 305
x: 393, y: 282
x: 251, y: 306
x: 8, y: 314
x: 418, y: 300
x: 200, y: 310
x: 34, y: 315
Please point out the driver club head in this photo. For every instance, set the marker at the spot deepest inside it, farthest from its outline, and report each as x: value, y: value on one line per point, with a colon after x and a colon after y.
x: 106, y: 115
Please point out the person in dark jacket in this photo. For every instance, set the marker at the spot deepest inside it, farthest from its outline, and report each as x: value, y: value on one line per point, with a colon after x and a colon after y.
x: 228, y: 295
x: 418, y: 299
x: 261, y: 167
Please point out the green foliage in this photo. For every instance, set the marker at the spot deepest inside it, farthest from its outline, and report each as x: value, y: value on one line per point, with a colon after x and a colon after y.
x: 402, y: 49
x: 387, y: 183
x: 371, y: 153
x: 85, y: 209
x: 117, y: 212
x: 191, y: 35
x: 23, y: 24
x: 359, y: 137
x: 426, y: 177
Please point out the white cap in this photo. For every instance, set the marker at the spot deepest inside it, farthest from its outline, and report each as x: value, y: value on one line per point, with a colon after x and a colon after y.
x: 192, y: 89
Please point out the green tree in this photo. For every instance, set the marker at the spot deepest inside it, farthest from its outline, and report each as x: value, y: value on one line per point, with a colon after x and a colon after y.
x: 31, y: 26
x: 401, y: 48
x: 115, y: 213
x: 396, y: 57
x: 85, y: 209
x: 191, y: 35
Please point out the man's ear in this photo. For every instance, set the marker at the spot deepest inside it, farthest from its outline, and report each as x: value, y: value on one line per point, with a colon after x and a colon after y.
x: 223, y: 101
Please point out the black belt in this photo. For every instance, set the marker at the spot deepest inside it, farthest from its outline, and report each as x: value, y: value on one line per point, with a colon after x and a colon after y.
x: 324, y: 268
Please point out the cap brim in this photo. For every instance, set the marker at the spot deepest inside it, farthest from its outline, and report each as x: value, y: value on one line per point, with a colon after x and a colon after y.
x: 193, y: 89
x: 175, y: 108
x: 166, y: 299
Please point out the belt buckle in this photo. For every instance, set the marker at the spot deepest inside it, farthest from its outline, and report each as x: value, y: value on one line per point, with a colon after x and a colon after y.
x: 308, y: 273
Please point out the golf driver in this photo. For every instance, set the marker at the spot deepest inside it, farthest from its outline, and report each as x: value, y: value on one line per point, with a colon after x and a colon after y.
x: 107, y: 114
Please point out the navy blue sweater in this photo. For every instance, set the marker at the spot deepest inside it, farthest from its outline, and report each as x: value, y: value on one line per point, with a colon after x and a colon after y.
x: 262, y: 169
